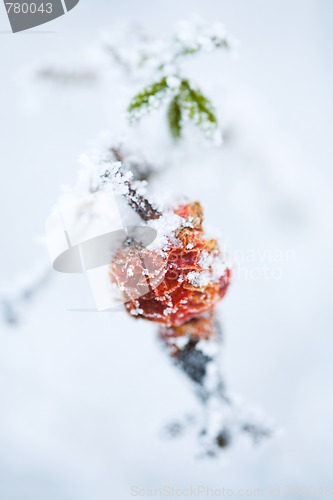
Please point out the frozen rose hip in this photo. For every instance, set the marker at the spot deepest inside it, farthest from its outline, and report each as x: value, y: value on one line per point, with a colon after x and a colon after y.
x: 185, y: 278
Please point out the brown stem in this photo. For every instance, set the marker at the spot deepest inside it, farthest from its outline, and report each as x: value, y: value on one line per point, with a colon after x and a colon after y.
x: 143, y: 207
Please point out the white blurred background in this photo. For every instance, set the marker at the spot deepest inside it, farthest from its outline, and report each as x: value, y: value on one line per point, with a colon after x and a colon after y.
x: 84, y: 396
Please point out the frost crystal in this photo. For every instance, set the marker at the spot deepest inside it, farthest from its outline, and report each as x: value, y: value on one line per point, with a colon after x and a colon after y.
x: 199, y: 279
x: 166, y: 226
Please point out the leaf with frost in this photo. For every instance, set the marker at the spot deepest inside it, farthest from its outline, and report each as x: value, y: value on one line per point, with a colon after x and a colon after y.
x: 175, y: 118
x: 150, y: 98
x: 197, y: 107
x: 194, y: 37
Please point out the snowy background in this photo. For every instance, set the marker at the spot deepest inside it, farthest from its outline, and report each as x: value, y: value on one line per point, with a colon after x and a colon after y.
x: 84, y: 396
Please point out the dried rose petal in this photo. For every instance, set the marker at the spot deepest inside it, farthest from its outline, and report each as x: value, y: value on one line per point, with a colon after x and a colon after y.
x: 203, y: 328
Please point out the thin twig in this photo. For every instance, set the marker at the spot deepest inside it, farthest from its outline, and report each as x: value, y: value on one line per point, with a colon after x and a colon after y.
x: 140, y: 203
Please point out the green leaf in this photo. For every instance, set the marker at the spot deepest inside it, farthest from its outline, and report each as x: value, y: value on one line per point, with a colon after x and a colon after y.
x: 197, y: 107
x: 149, y: 98
x: 175, y: 118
